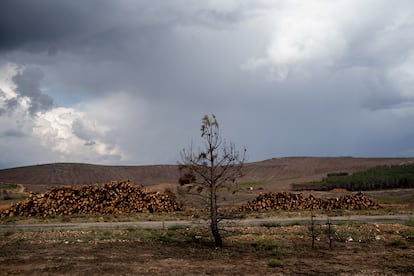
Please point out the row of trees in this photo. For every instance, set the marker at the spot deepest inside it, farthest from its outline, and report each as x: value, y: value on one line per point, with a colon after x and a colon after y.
x: 378, y: 178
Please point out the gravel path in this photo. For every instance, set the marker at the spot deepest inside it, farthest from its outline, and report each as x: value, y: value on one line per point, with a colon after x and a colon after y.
x: 196, y: 223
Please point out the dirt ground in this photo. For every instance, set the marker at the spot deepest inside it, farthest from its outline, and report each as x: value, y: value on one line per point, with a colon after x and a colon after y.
x: 359, y: 249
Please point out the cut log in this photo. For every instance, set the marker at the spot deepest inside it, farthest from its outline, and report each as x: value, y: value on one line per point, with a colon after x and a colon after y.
x: 110, y: 198
x: 289, y: 201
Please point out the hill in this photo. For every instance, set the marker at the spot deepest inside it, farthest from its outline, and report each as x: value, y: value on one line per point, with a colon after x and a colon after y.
x: 39, y: 178
x: 273, y: 174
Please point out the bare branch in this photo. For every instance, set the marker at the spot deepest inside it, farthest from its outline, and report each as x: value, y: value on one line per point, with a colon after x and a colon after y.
x: 217, y: 165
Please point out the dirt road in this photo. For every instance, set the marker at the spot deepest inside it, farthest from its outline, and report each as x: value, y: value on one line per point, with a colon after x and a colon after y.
x: 195, y: 223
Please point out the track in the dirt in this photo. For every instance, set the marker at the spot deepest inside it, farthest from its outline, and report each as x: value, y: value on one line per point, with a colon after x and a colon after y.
x: 196, y: 223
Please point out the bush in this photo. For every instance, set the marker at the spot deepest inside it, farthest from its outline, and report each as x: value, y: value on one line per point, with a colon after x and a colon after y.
x: 275, y: 263
x: 399, y: 244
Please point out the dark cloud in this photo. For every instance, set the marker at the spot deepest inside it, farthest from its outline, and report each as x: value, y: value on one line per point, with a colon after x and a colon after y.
x: 135, y: 77
x: 28, y: 85
x: 44, y: 25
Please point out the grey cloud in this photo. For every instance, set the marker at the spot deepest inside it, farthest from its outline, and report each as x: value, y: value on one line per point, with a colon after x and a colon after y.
x: 383, y: 102
x: 50, y: 26
x: 212, y: 18
x: 380, y: 93
x: 2, y: 110
x: 82, y: 131
x: 178, y: 60
x: 138, y: 47
x: 13, y: 133
x: 11, y: 104
x: 90, y: 143
x: 44, y: 24
x: 28, y: 85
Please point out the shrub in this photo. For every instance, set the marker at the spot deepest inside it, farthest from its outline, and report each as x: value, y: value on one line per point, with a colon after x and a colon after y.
x: 275, y: 263
x: 399, y: 244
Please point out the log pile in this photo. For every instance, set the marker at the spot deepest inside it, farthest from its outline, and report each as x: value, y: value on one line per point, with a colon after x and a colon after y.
x: 291, y: 201
x: 111, y: 198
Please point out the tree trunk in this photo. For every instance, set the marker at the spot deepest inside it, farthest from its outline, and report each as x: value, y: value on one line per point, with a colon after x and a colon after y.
x: 218, y: 242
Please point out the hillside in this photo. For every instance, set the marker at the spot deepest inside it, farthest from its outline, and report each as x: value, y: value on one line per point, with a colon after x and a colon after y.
x: 274, y: 174
x: 38, y: 178
x: 280, y: 173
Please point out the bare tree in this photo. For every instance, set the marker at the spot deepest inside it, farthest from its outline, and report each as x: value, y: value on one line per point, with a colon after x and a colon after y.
x: 217, y: 165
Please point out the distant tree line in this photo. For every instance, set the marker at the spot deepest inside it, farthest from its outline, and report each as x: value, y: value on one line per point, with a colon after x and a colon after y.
x: 377, y: 178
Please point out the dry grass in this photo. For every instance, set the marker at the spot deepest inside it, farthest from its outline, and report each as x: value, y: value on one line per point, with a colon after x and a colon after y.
x: 383, y: 248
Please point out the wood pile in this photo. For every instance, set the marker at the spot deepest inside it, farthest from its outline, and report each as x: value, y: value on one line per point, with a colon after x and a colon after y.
x: 111, y: 198
x: 291, y: 201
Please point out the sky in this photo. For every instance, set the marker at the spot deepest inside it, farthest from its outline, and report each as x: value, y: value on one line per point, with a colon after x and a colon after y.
x: 127, y: 82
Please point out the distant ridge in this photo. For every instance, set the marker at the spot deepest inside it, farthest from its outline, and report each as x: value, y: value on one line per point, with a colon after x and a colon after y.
x: 275, y: 174
x: 39, y: 177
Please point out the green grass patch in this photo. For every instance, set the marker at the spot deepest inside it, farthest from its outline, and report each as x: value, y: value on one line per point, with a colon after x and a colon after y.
x: 294, y: 223
x: 273, y: 247
x: 396, y: 199
x: 409, y: 223
x: 276, y: 251
x: 250, y: 184
x: 177, y: 227
x: 271, y: 224
x: 399, y: 244
x: 105, y: 235
x: 9, y: 186
x: 167, y: 237
x: 293, y: 177
x: 275, y: 263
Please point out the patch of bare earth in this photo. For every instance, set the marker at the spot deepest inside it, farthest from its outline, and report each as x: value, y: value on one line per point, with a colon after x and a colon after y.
x: 247, y: 251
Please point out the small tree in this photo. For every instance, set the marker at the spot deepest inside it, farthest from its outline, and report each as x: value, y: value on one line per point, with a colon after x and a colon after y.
x: 215, y: 166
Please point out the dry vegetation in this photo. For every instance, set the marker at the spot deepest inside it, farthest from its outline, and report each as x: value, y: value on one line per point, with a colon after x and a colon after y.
x: 382, y: 249
x: 363, y: 249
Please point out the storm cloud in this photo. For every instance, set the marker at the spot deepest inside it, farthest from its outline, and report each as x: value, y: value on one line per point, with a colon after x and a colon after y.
x: 45, y: 25
x: 127, y: 82
x: 27, y: 85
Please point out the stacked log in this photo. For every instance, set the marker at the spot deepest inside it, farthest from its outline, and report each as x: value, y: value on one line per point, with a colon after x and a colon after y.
x: 291, y: 201
x: 111, y: 198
